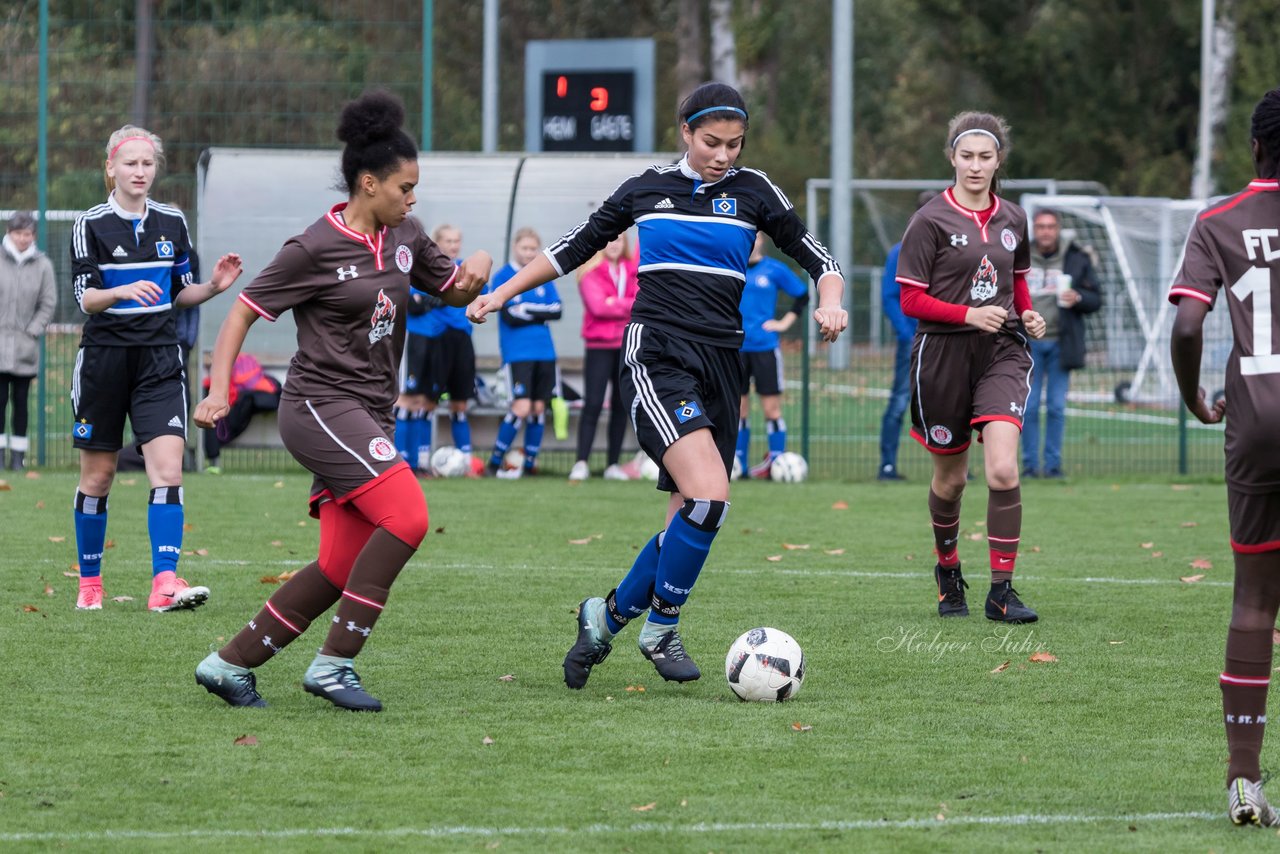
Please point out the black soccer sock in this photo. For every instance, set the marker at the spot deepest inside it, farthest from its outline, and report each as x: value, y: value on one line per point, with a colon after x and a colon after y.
x: 946, y: 529
x: 285, y: 616
x: 1247, y: 674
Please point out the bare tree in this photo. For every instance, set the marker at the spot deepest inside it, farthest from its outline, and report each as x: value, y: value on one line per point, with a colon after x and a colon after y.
x: 691, y: 67
x: 724, y: 45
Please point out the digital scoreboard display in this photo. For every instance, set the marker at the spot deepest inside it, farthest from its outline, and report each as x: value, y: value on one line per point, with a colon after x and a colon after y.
x: 588, y: 110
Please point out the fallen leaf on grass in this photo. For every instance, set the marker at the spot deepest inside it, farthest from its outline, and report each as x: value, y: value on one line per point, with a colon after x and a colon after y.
x: 129, y: 481
x: 486, y: 741
x: 202, y: 552
x: 1191, y: 579
x: 246, y: 741
x: 645, y: 807
x: 57, y: 539
x: 1035, y: 549
x: 4, y: 486
x: 39, y: 505
x: 279, y: 484
x: 909, y: 557
x: 33, y: 475
x: 794, y: 546
x: 774, y: 558
x: 276, y: 543
x: 71, y: 574
x: 796, y: 726
x: 684, y: 802
x: 639, y: 689
x: 1189, y: 524
x: 976, y: 537
x: 1115, y: 643
x: 1148, y: 545
x: 109, y: 544
x: 30, y: 609
x: 940, y: 817
x: 507, y: 678
x: 840, y: 505
x: 440, y: 530
x: 979, y: 524
x: 584, y: 541
x: 188, y: 527
x: 302, y: 524
x: 1201, y: 563
x: 1001, y: 668
x: 48, y: 590
x: 1180, y: 487
x: 277, y: 579
x: 1157, y: 554
x: 833, y: 551
x: 121, y: 598
x: 1043, y: 657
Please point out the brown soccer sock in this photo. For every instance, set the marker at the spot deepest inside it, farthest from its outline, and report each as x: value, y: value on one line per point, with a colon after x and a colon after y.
x: 1247, y: 676
x: 946, y: 529
x: 285, y: 616
x: 1004, y: 529
x: 372, y: 575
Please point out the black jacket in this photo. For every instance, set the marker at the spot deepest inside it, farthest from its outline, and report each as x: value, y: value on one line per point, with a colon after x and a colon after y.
x: 1084, y: 279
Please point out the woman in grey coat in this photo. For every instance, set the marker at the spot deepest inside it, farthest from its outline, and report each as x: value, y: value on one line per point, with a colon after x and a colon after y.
x: 27, y: 301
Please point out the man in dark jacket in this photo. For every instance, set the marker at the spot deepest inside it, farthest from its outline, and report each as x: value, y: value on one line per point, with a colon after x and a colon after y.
x: 1064, y: 288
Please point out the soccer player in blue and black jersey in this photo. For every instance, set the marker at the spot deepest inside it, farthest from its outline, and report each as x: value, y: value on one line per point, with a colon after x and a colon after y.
x: 529, y: 354
x: 682, y: 374
x: 131, y: 259
x: 761, y: 355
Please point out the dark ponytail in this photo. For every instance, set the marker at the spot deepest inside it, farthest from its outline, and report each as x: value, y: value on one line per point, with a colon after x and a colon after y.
x: 1265, y: 128
x: 701, y: 105
x: 371, y: 128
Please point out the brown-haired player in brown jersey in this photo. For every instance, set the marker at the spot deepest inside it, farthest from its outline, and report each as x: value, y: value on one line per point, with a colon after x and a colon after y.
x: 962, y: 270
x: 1234, y: 251
x: 346, y: 279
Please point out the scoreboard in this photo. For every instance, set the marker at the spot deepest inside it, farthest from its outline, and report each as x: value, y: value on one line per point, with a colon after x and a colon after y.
x: 589, y: 95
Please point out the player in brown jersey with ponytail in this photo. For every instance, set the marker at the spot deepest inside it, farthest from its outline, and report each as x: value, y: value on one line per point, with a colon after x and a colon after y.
x: 962, y: 270
x: 346, y: 279
x: 1234, y: 252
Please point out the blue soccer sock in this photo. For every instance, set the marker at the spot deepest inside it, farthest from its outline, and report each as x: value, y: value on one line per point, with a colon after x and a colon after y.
x: 634, y: 592
x: 684, y: 551
x: 164, y: 524
x: 461, y: 428
x: 777, y: 430
x: 534, y: 427
x: 420, y: 446
x: 91, y: 532
x: 744, y: 444
x: 506, y: 435
x: 402, y: 433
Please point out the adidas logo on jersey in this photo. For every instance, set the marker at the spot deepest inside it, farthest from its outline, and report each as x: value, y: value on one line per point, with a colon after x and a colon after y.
x: 118, y: 252
x: 175, y: 421
x: 664, y: 205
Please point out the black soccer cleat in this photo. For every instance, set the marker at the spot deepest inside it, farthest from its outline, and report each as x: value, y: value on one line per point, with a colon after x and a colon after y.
x: 237, y: 689
x: 951, y: 585
x: 669, y: 658
x: 1004, y: 606
x: 339, y: 684
x: 590, y: 648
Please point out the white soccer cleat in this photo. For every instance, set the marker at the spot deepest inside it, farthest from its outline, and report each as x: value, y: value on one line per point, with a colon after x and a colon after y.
x: 1247, y: 805
x: 580, y: 471
x: 616, y: 472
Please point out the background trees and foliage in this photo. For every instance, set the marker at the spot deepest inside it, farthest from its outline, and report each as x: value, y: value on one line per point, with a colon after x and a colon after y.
x: 1094, y: 89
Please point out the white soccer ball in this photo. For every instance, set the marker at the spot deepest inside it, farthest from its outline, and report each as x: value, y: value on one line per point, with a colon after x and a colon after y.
x: 765, y: 665
x: 513, y: 460
x: 648, y: 468
x: 789, y: 467
x: 449, y: 461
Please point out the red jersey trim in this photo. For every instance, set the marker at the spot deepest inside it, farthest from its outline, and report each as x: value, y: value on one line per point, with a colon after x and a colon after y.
x: 1257, y: 548
x: 369, y: 484
x: 976, y: 216
x: 259, y: 310
x: 1226, y: 206
x: 1176, y: 293
x: 985, y: 418
x: 915, y: 434
x: 452, y: 278
x: 903, y: 280
x: 1265, y: 185
x: 342, y: 228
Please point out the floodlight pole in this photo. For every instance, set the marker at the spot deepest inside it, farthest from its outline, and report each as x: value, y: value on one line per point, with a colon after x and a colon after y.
x: 428, y: 71
x: 489, y: 126
x: 1202, y: 184
x: 841, y: 218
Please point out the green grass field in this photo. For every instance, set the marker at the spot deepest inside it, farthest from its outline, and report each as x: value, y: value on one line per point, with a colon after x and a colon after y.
x: 902, y: 739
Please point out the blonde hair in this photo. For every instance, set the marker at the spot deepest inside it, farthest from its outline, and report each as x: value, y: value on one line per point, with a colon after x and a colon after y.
x: 597, y: 259
x: 119, y: 138
x: 442, y: 228
x: 523, y: 232
x: 987, y: 125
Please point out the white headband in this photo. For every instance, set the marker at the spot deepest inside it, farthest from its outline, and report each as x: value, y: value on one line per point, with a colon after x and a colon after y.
x: 994, y: 138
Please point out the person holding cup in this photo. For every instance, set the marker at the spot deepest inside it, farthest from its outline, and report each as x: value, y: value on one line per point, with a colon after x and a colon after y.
x: 1064, y: 288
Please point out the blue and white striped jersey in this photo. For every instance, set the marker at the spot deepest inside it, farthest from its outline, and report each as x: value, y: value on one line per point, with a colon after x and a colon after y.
x: 112, y: 247
x: 695, y: 239
x: 523, y: 335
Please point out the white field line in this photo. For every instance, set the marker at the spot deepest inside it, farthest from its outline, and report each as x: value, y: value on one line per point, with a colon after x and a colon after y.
x: 454, y: 831
x: 428, y: 564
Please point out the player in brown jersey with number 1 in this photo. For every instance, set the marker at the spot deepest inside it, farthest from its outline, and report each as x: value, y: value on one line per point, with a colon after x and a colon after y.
x: 346, y: 279
x: 962, y: 270
x: 1234, y: 253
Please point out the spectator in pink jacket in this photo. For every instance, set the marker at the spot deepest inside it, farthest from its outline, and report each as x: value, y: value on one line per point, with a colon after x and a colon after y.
x: 608, y: 289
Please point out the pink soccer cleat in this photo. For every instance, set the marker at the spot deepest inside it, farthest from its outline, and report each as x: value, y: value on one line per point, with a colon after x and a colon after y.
x: 170, y: 593
x: 90, y: 598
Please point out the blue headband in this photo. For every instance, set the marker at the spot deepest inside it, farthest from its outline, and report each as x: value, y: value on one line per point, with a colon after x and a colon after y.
x: 701, y: 113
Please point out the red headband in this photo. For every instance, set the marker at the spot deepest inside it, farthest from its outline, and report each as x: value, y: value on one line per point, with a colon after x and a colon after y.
x: 145, y: 139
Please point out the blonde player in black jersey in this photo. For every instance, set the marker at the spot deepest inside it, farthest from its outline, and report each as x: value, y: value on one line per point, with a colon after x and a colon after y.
x: 1233, y: 253
x: 682, y: 374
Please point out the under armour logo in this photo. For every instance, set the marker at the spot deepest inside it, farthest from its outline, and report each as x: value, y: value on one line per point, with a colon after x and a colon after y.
x: 352, y: 627
x: 1015, y: 408
x: 269, y: 645
x: 345, y: 273
x: 956, y: 240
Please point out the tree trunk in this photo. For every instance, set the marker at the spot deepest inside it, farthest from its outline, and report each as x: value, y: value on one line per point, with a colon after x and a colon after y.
x: 691, y: 67
x: 144, y: 46
x: 724, y: 47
